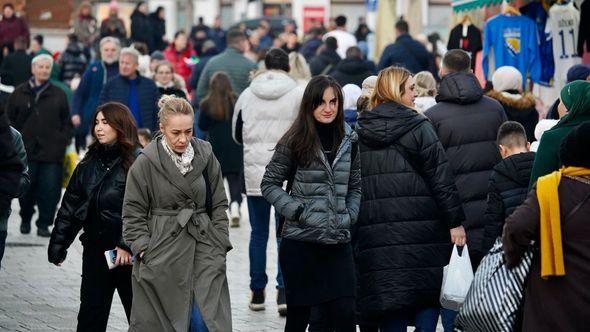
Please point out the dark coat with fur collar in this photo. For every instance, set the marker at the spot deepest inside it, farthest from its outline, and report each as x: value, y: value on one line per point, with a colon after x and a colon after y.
x: 521, y: 110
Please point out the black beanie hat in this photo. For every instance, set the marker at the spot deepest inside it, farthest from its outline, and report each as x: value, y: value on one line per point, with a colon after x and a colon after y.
x: 574, y: 147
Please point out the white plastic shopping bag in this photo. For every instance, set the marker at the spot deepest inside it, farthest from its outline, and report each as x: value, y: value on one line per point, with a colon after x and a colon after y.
x: 457, y: 278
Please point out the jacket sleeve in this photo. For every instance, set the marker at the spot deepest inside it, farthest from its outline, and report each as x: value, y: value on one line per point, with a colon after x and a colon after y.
x: 25, y: 179
x: 136, y: 207
x: 493, y: 217
x: 353, y: 197
x: 521, y: 227
x: 438, y: 174
x: 219, y: 198
x: 67, y: 225
x: 203, y: 83
x: 237, y: 121
x: 81, y: 93
x: 546, y: 158
x: 277, y: 172
x: 385, y: 60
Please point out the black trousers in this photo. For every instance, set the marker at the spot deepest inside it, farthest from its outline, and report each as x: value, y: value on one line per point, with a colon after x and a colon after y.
x: 98, y: 286
x: 339, y: 316
x: 236, y: 184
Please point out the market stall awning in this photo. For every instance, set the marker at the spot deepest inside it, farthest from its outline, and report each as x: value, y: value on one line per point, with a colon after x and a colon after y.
x: 460, y: 5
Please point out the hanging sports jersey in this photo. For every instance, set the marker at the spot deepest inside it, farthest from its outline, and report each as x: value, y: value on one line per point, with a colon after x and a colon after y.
x: 536, y: 12
x: 511, y: 40
x: 467, y: 38
x: 562, y: 27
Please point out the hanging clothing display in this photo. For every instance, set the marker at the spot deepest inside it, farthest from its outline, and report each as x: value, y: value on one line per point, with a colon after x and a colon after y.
x: 584, y: 29
x: 466, y: 37
x: 511, y: 40
x: 562, y: 27
x: 536, y: 12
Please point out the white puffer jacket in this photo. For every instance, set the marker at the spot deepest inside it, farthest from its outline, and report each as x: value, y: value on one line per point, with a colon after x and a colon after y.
x: 267, y: 109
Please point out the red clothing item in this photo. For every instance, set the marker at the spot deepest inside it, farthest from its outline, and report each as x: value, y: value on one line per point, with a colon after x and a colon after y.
x: 12, y: 28
x: 180, y: 61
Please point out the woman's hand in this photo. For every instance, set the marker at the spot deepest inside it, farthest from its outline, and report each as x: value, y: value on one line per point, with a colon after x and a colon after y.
x: 458, y: 236
x: 123, y: 257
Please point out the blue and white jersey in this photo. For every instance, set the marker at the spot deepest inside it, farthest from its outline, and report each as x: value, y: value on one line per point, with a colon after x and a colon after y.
x: 562, y: 27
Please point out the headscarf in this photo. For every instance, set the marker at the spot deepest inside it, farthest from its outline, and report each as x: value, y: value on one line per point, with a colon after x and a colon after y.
x: 576, y: 98
x: 351, y: 94
x: 507, y: 78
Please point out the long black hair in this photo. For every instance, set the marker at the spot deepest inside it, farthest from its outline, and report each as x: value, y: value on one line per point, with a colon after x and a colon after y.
x: 302, y: 138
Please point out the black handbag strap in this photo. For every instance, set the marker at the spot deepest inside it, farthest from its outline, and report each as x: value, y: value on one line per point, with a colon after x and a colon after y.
x: 208, y: 194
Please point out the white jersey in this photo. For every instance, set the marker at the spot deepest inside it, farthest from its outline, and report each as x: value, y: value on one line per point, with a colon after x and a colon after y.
x: 562, y: 28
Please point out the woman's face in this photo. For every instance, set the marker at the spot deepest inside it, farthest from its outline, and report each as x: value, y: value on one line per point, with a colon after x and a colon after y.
x: 164, y: 75
x: 105, y: 134
x: 180, y: 42
x: 561, y: 109
x: 409, y: 92
x: 178, y: 132
x: 326, y: 112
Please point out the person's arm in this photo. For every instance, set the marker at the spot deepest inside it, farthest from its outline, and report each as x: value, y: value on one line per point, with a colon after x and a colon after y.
x: 277, y: 172
x: 493, y: 217
x: 353, y: 196
x: 67, y: 128
x: 136, y: 207
x: 66, y: 225
x: 12, y: 110
x: 384, y: 62
x: 25, y: 179
x: 438, y: 174
x: 237, y: 121
x: 521, y: 227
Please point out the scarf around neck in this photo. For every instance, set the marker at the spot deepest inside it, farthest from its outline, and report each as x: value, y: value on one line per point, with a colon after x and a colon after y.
x: 184, y: 161
x: 552, y: 264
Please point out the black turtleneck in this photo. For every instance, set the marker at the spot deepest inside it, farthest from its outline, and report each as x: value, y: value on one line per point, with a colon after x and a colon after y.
x: 107, y: 153
x: 326, y: 135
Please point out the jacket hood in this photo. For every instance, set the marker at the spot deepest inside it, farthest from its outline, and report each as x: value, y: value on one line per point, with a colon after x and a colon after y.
x: 459, y: 88
x: 331, y: 55
x: 75, y: 48
x: 517, y: 167
x: 202, y: 153
x: 352, y: 66
x: 386, y: 123
x: 272, y: 84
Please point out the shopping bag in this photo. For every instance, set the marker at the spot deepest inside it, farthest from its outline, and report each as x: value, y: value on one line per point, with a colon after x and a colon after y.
x: 495, y: 299
x: 457, y: 278
x: 70, y: 160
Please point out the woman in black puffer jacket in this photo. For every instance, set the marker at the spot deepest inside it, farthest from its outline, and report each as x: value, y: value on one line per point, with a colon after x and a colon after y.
x: 409, y: 204
x: 93, y: 200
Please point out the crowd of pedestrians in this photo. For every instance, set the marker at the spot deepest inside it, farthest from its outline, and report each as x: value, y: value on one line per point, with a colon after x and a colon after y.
x: 374, y: 171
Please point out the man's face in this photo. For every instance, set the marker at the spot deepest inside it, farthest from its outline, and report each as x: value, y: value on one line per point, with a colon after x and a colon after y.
x: 7, y: 12
x: 41, y: 70
x: 109, y: 52
x: 127, y: 65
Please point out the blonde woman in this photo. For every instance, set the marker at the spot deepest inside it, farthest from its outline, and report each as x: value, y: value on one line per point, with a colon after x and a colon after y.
x: 410, y: 211
x: 175, y: 222
x: 426, y: 91
x: 299, y: 69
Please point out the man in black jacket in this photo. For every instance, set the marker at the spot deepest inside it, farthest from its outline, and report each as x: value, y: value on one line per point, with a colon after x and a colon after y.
x: 16, y: 67
x: 324, y: 63
x: 41, y: 113
x: 467, y: 124
x: 405, y: 52
x: 353, y: 69
x: 509, y: 181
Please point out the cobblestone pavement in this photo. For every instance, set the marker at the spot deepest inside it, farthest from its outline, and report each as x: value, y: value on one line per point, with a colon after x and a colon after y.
x: 38, y: 296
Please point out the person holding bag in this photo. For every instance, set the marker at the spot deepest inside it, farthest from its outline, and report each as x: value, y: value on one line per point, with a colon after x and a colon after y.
x: 93, y: 201
x: 175, y: 222
x: 319, y: 158
x: 555, y: 215
x: 410, y: 211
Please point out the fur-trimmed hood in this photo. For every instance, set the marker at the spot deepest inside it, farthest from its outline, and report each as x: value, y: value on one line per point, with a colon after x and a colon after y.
x: 518, y: 101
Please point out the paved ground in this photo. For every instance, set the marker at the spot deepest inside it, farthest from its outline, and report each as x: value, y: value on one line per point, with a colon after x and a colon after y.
x: 38, y: 296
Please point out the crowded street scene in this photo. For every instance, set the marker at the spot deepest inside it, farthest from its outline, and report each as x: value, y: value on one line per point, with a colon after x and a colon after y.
x: 304, y: 165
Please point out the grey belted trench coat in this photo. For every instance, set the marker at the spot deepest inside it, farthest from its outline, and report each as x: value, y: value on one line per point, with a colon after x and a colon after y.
x: 184, y: 260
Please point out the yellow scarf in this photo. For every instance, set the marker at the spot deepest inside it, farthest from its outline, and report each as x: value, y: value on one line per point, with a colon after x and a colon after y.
x: 551, y: 247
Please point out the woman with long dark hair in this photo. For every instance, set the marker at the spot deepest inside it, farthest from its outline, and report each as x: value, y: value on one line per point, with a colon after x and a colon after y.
x: 93, y: 201
x: 217, y: 110
x: 319, y: 160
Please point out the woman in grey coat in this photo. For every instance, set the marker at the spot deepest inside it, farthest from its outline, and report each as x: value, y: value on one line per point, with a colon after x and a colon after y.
x: 318, y: 156
x: 175, y: 222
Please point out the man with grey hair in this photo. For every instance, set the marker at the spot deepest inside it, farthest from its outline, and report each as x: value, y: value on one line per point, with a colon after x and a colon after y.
x: 40, y: 112
x: 85, y: 98
x: 140, y: 94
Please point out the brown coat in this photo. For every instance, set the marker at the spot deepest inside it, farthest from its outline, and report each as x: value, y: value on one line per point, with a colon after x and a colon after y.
x: 559, y: 303
x: 184, y: 250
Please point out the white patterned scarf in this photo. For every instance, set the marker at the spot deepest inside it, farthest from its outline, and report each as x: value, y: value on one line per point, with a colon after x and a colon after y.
x: 184, y: 161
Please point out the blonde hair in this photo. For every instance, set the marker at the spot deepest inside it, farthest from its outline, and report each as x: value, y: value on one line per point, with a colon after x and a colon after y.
x: 299, y: 68
x: 171, y: 105
x: 425, y: 84
x: 389, y: 86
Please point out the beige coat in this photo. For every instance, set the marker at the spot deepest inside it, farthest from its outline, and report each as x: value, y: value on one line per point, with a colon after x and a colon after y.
x: 164, y: 216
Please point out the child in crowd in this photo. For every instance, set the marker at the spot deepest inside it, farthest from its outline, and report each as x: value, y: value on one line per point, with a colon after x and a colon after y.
x: 508, y: 183
x: 351, y: 95
x: 426, y: 89
x: 145, y: 137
